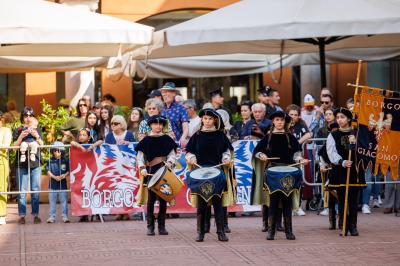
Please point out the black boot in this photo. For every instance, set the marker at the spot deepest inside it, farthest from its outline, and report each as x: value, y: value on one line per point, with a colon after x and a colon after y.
x: 346, y: 231
x: 200, y: 228
x: 279, y: 226
x: 207, y: 223
x: 288, y: 228
x: 219, y: 220
x: 353, y: 224
x: 150, y: 225
x: 265, y: 218
x: 271, y: 228
x: 340, y: 222
x: 161, y: 224
x: 226, y: 227
x: 332, y: 219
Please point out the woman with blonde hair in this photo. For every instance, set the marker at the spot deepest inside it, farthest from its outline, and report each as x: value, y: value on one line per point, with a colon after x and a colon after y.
x: 153, y: 107
x: 119, y: 133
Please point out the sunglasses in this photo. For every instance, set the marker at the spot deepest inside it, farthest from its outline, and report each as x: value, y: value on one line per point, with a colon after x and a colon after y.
x: 82, y: 105
x: 325, y: 102
x: 115, y: 123
x: 28, y: 115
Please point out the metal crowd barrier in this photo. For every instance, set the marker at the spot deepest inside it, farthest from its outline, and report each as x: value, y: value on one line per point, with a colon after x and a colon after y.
x: 316, y: 163
x: 8, y: 148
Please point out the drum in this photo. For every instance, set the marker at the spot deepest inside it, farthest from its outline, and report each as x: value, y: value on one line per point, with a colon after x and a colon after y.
x: 206, y: 182
x: 165, y: 184
x: 283, y: 178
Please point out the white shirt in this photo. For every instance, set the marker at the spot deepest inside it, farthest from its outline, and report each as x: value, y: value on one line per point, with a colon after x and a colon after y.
x: 194, y: 125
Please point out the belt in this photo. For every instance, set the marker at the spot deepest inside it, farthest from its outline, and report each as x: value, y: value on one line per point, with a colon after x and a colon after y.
x: 156, y: 161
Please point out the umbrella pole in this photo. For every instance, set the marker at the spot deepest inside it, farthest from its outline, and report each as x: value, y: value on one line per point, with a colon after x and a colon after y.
x: 321, y: 45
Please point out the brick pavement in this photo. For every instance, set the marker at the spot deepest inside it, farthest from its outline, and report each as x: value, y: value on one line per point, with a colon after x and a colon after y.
x: 125, y: 243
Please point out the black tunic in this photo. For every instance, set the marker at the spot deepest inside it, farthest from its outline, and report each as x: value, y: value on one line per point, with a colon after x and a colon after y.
x: 156, y: 146
x: 208, y: 147
x: 339, y: 173
x: 282, y: 145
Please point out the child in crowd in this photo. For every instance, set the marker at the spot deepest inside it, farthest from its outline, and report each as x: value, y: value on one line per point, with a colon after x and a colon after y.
x: 84, y: 138
x: 29, y: 141
x: 58, y: 169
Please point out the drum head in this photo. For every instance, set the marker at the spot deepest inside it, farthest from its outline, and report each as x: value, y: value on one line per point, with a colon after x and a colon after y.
x: 283, y: 169
x: 205, y: 173
x: 154, y: 179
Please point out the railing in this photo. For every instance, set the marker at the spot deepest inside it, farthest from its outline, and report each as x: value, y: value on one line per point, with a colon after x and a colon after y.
x: 8, y: 148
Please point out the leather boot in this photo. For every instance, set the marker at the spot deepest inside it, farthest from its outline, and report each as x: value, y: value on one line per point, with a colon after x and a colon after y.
x: 150, y: 225
x: 220, y: 228
x: 332, y: 219
x: 340, y: 222
x: 161, y: 224
x: 353, y: 224
x: 346, y: 227
x: 226, y: 226
x: 279, y: 226
x: 200, y: 228
x: 288, y: 228
x: 271, y: 228
x: 265, y: 218
x: 207, y: 222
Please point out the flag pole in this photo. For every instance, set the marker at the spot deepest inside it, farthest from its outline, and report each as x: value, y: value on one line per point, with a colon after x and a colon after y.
x: 346, y: 197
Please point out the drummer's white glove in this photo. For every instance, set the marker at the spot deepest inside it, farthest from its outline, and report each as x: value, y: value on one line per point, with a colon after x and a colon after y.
x: 262, y: 156
x: 143, y: 172
x: 169, y: 164
x: 193, y: 160
x: 226, y: 161
x: 304, y: 161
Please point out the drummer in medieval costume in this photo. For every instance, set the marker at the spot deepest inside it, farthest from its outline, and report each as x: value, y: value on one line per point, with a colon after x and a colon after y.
x: 207, y: 148
x: 338, y: 145
x: 153, y: 152
x: 277, y: 148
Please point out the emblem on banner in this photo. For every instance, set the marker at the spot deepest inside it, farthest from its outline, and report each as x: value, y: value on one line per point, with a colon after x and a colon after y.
x: 380, y: 125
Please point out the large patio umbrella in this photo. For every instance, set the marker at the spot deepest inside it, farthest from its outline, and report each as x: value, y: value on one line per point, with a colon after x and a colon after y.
x: 23, y: 64
x: 41, y: 28
x: 284, y: 27
x: 243, y: 64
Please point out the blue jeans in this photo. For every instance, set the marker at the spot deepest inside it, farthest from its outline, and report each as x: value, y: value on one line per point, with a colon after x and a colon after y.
x: 63, y: 198
x: 22, y: 179
x: 371, y: 189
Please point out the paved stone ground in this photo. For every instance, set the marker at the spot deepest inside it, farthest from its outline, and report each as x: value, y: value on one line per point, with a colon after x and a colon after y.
x: 125, y: 243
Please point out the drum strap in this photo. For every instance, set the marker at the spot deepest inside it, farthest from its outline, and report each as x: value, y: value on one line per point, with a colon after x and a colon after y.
x: 156, y: 161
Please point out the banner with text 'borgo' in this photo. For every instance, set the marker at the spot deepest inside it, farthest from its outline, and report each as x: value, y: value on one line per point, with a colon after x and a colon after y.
x: 105, y: 181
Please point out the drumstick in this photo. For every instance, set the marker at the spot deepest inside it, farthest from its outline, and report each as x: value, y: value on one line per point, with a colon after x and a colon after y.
x: 273, y: 158
x: 218, y: 165
x: 295, y: 164
x: 197, y: 165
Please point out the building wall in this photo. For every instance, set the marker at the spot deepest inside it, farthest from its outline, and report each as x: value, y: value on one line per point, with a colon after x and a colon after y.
x: 121, y: 88
x: 284, y: 87
x: 40, y: 86
x: 340, y: 76
x: 135, y: 10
